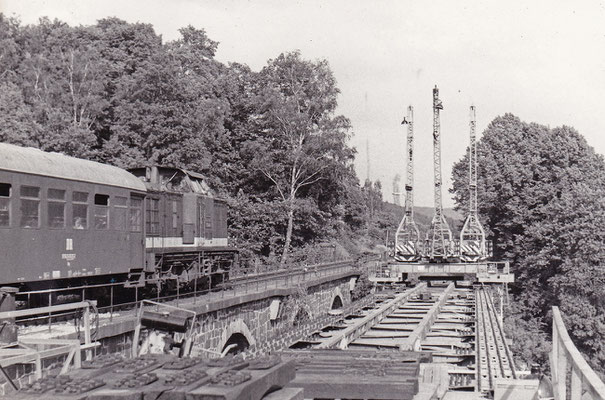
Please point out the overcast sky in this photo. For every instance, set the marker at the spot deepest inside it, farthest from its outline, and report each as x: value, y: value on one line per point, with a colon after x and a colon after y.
x: 544, y: 61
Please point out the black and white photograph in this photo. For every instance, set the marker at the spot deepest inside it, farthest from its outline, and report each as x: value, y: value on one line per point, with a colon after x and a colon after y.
x: 302, y: 200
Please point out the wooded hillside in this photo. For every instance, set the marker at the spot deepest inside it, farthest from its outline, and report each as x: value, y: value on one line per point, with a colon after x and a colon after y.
x: 270, y: 142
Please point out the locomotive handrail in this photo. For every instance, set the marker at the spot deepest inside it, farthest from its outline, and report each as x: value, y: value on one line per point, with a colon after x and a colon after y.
x: 583, y: 378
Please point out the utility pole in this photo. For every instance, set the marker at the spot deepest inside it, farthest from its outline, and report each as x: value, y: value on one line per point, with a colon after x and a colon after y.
x: 472, y: 236
x: 439, y: 236
x: 408, y: 236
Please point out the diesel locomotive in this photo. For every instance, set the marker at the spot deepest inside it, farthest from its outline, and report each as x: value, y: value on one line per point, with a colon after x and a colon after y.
x: 66, y: 222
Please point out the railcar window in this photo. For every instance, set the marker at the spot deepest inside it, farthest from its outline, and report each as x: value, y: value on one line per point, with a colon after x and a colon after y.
x: 5, y: 194
x: 120, y: 215
x: 136, y: 204
x: 80, y: 210
x: 153, y: 216
x: 56, y: 208
x: 30, y: 207
x: 101, y: 211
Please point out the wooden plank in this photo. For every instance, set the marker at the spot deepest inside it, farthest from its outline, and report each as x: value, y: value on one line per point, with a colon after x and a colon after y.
x: 423, y: 326
x: 46, y: 310
x: 327, y: 388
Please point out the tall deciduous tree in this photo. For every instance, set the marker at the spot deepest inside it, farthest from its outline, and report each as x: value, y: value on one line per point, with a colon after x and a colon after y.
x: 541, y: 196
x: 301, y: 137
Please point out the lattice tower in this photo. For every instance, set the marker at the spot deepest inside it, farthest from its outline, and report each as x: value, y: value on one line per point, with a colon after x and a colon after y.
x: 439, y: 236
x: 472, y: 235
x: 408, y: 236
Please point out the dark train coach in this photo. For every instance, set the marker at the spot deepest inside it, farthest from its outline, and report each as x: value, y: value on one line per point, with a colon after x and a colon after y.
x: 66, y: 221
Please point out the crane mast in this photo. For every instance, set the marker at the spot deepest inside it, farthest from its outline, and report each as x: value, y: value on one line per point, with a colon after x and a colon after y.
x: 408, y: 235
x: 472, y: 236
x: 439, y: 236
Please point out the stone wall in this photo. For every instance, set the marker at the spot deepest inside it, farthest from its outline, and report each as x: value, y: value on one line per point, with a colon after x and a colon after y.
x: 253, y: 319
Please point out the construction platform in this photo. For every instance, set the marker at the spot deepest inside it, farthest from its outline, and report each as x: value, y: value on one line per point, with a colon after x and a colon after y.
x: 480, y: 272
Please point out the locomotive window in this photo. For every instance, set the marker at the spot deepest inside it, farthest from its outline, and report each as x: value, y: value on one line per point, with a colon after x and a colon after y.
x: 5, y: 194
x: 120, y: 214
x: 80, y: 210
x: 101, y: 211
x: 136, y: 204
x: 153, y: 216
x: 175, y: 216
x: 56, y: 208
x: 30, y: 207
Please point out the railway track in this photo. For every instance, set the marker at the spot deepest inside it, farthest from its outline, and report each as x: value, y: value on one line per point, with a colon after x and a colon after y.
x: 459, y: 327
x: 494, y: 359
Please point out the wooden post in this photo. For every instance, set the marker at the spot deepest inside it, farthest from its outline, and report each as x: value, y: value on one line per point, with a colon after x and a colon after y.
x: 137, y: 333
x: 561, y: 374
x: 87, y: 338
x: 576, y: 383
x: 38, y: 366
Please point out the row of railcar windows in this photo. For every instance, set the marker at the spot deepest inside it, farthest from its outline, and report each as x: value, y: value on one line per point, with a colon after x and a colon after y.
x: 125, y: 215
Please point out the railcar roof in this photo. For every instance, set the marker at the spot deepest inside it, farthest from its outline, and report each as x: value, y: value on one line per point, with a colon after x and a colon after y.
x: 34, y: 161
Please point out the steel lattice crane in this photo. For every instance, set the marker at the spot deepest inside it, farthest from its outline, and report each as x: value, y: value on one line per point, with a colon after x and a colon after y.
x: 439, y: 236
x: 408, y: 236
x: 472, y: 236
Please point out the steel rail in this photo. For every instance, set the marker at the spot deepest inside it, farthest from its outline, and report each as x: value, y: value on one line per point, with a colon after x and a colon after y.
x: 483, y: 357
x: 504, y: 355
x: 494, y: 358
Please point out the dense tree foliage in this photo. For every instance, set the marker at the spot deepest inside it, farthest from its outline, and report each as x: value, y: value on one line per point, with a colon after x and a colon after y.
x: 542, y: 198
x: 270, y: 142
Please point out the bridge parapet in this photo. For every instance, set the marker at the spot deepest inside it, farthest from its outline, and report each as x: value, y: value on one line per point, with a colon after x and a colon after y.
x: 565, y: 358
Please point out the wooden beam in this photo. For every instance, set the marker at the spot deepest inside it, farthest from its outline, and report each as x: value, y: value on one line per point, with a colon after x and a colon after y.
x: 46, y: 310
x: 419, y: 333
x: 346, y: 336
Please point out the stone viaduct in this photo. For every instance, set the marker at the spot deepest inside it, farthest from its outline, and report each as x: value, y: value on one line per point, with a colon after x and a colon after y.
x: 251, y: 315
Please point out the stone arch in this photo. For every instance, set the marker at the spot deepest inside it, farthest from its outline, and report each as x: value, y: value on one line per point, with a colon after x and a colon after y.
x: 337, y: 301
x: 302, y: 314
x: 236, y: 332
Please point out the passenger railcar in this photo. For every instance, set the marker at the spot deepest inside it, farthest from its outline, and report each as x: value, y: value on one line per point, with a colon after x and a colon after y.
x: 65, y: 218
